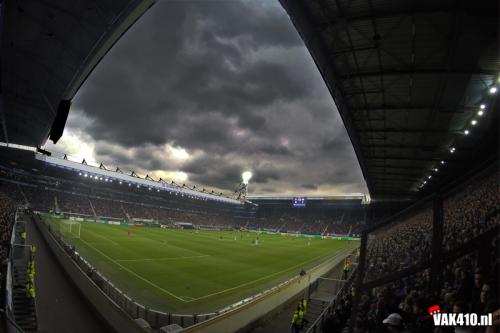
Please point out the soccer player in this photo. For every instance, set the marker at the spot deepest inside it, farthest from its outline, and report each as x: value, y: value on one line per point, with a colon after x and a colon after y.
x: 129, y: 231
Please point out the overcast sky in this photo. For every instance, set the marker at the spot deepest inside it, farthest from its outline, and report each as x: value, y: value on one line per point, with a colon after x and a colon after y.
x: 200, y: 91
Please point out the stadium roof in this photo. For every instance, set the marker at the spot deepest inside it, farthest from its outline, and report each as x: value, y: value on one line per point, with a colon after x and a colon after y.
x: 408, y: 77
x: 48, y: 50
x: 359, y: 196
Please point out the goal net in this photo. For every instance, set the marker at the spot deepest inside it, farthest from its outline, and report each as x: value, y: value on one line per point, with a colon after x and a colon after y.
x: 70, y: 229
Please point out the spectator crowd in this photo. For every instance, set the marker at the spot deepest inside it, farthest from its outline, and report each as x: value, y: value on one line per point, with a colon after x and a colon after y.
x: 469, y: 283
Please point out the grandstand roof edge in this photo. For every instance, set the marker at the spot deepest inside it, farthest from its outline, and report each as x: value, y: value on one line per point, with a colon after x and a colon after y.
x: 68, y: 164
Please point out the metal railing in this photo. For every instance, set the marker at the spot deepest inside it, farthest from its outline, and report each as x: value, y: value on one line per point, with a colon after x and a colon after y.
x: 18, y: 256
x: 156, y: 319
x: 318, y: 324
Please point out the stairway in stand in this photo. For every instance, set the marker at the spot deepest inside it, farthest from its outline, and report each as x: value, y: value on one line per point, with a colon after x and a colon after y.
x: 23, y: 307
x: 314, y: 309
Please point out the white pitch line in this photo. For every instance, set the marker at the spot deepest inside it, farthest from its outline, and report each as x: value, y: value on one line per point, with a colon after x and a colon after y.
x: 265, y: 277
x: 133, y: 273
x: 158, y: 259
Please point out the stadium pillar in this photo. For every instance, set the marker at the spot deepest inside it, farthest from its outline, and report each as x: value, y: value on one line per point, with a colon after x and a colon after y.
x: 359, y: 281
x: 437, y: 245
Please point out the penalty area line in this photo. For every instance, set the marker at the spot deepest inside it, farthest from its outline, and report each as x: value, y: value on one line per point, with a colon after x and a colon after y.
x: 161, y: 259
x: 133, y: 273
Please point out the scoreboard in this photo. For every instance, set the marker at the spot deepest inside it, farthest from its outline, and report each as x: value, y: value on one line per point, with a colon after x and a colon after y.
x: 299, y: 202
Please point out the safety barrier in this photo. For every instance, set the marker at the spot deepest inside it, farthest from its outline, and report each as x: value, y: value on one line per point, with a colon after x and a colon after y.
x: 156, y: 319
x: 318, y: 324
x: 19, y: 312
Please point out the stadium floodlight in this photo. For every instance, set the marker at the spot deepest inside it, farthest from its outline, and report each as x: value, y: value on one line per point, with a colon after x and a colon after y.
x: 493, y: 90
x: 246, y: 176
x: 482, y: 106
x: 480, y: 113
x: 442, y: 162
x: 79, y: 174
x: 466, y: 132
x: 452, y: 150
x: 425, y: 181
x: 473, y: 122
x: 86, y: 175
x: 429, y: 177
x: 436, y: 169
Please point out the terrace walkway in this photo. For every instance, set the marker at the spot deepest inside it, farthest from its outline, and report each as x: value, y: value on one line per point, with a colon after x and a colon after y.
x: 59, y: 305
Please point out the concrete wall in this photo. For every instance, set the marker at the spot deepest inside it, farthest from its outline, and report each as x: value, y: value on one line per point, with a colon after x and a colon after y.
x: 240, y: 317
x: 118, y: 320
x: 225, y: 323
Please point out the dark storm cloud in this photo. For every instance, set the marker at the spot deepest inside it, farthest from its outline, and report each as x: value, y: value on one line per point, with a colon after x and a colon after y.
x: 231, y: 83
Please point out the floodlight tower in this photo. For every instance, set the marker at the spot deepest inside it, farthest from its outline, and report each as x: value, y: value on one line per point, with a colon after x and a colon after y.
x: 241, y: 191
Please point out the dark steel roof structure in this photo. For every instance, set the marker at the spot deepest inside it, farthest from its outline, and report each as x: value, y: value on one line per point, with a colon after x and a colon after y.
x: 408, y: 77
x: 49, y: 47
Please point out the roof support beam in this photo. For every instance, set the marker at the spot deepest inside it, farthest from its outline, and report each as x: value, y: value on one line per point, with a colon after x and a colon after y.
x: 430, y: 71
x: 450, y: 108
x: 405, y: 131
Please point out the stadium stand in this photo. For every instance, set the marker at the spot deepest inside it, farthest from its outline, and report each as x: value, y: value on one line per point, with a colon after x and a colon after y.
x: 53, y: 189
x: 409, y: 79
x: 330, y: 218
x: 7, y: 212
x: 470, y: 214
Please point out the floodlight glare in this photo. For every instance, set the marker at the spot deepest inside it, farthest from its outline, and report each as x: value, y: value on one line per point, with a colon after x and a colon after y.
x: 473, y: 122
x: 482, y: 106
x: 480, y: 113
x: 247, y: 175
x: 466, y: 132
x: 493, y: 90
x: 442, y: 162
x: 429, y: 177
x: 436, y: 169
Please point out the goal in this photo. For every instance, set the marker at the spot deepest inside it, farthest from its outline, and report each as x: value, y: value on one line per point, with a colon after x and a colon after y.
x: 70, y: 229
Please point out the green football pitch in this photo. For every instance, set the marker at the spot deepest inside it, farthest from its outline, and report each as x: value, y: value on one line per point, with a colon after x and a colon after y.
x: 185, y: 271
